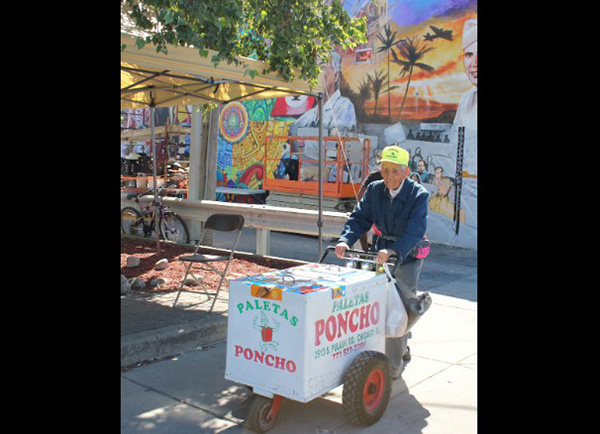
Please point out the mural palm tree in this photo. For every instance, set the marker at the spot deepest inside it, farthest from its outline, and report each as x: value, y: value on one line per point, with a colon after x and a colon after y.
x: 388, y: 41
x: 364, y: 90
x: 411, y: 52
x: 376, y: 84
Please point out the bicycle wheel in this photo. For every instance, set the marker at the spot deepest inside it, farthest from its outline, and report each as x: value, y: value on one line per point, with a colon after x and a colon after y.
x: 131, y: 221
x: 173, y: 228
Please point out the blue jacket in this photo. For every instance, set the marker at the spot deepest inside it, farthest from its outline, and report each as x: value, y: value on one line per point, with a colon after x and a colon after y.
x: 392, y: 217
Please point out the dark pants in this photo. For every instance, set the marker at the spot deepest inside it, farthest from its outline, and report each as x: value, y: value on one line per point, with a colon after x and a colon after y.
x: 407, y: 279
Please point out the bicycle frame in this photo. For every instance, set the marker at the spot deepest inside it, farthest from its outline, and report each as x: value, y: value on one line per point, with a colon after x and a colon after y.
x: 150, y: 210
x: 154, y: 217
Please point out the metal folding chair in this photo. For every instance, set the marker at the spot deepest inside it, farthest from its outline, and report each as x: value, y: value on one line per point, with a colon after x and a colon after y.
x: 221, y: 223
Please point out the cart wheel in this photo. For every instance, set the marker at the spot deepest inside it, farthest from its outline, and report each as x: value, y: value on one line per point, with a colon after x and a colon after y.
x: 367, y: 388
x: 257, y: 419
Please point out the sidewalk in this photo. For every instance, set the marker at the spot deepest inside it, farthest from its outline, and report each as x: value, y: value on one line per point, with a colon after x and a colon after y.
x: 152, y: 329
x: 188, y: 393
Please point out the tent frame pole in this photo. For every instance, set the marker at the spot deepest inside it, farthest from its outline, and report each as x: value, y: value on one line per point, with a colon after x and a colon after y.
x: 157, y: 215
x: 320, y: 216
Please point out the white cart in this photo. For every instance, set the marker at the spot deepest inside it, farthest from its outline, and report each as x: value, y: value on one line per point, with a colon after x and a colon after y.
x: 300, y: 332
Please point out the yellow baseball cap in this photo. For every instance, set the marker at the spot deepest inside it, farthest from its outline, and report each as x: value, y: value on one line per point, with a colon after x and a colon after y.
x: 395, y: 154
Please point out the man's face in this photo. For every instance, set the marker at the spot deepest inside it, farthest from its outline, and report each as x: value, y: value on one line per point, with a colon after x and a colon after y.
x: 393, y: 174
x: 421, y: 167
x: 470, y: 62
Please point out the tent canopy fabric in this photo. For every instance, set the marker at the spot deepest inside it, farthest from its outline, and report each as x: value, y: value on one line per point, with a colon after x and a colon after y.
x: 184, y: 77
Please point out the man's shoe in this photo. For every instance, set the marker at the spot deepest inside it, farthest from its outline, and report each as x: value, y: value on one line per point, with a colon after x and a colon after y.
x: 406, y: 356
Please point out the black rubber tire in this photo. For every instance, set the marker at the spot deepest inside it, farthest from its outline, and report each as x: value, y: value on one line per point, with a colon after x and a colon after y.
x: 181, y: 235
x: 127, y: 215
x: 356, y: 378
x: 259, y: 409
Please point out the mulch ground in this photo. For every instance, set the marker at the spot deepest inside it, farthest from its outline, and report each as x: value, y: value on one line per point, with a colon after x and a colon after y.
x: 145, y: 250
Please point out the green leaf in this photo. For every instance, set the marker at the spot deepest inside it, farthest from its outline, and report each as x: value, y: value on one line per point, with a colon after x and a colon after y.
x: 169, y: 17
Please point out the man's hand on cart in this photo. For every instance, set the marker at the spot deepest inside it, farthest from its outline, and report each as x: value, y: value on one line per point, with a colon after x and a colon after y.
x: 340, y: 249
x: 384, y: 254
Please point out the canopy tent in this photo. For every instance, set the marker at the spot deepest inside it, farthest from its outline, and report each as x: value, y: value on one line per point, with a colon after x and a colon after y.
x: 184, y: 77
x: 152, y: 79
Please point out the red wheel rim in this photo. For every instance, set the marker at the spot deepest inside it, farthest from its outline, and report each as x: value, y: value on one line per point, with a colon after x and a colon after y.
x: 264, y: 420
x: 373, y: 390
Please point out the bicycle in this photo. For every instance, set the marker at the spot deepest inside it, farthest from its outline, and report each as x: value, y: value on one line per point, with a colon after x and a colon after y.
x: 171, y: 226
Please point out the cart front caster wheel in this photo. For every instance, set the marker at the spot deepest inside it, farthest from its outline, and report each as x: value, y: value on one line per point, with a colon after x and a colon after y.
x: 367, y: 388
x: 263, y: 413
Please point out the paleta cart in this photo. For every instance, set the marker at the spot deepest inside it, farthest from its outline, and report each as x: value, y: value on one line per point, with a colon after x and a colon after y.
x: 300, y: 332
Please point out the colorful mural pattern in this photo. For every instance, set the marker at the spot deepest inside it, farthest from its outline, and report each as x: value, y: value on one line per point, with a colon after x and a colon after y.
x: 241, y: 148
x: 233, y: 122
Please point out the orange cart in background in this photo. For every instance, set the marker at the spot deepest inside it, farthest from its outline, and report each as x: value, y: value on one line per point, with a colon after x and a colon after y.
x: 343, y: 171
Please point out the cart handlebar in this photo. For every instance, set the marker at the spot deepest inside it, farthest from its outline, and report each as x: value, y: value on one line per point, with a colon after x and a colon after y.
x: 392, y: 260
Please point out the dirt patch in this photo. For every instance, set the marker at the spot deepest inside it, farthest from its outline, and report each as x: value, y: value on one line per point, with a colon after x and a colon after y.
x: 145, y: 250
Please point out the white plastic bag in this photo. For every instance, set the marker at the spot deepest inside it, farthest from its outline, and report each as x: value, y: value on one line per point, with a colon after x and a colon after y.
x: 396, y: 318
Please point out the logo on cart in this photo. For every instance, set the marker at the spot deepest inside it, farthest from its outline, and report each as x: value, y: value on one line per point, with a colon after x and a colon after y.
x: 338, y: 292
x: 266, y: 328
x: 272, y: 292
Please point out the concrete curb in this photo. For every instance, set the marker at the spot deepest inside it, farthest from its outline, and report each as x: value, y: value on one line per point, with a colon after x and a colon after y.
x: 171, y: 340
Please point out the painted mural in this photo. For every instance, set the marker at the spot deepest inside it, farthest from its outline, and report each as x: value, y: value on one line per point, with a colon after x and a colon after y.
x: 243, y: 130
x: 414, y: 83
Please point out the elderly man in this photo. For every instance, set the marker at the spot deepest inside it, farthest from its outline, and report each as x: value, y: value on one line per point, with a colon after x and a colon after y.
x: 397, y: 205
x: 338, y: 111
